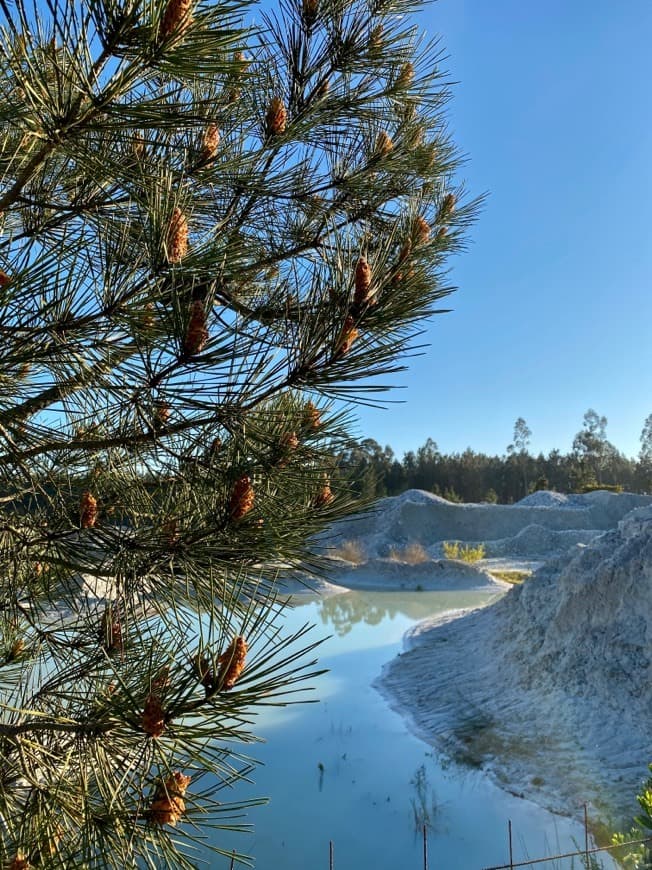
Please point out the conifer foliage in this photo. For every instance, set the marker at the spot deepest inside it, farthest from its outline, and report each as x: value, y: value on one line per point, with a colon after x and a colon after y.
x: 213, y: 238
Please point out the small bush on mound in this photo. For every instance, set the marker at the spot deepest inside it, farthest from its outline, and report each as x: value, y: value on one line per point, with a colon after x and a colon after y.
x: 350, y: 551
x: 512, y: 576
x: 463, y: 552
x: 414, y: 554
x: 607, y: 487
x: 637, y: 856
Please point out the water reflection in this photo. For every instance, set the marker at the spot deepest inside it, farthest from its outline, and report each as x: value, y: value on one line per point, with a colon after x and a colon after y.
x: 347, y: 770
x: 343, y: 612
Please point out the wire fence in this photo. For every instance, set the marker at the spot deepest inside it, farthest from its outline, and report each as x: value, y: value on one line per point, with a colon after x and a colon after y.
x: 586, y: 853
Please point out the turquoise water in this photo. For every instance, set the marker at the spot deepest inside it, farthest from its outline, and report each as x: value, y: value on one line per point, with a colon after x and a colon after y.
x: 346, y: 769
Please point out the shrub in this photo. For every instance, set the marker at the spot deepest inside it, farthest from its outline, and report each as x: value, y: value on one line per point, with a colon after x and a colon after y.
x: 463, y: 552
x: 351, y: 551
x: 413, y: 554
x: 512, y: 576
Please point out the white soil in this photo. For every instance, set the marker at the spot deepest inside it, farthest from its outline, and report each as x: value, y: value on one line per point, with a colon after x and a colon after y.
x: 548, y: 688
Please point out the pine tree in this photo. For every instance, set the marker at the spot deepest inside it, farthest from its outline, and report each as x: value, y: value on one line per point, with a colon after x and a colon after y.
x: 214, y: 239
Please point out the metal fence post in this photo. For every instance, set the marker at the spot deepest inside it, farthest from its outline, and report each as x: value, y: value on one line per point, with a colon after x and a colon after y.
x: 586, y: 838
x: 511, y: 851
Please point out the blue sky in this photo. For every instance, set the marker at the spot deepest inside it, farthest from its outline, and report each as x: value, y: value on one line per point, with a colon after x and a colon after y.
x: 554, y: 310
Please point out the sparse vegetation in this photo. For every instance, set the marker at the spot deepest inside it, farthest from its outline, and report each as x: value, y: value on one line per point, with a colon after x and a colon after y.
x: 515, y: 577
x: 351, y: 551
x: 463, y: 552
x: 412, y: 554
x: 424, y: 803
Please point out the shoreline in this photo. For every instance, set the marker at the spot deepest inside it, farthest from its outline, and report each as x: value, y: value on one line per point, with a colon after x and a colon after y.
x: 458, y: 698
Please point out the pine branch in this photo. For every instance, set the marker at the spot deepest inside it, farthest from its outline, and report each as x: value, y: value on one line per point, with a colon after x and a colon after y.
x: 211, y: 240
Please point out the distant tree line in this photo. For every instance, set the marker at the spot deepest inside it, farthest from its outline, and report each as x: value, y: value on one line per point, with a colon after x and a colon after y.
x: 592, y: 463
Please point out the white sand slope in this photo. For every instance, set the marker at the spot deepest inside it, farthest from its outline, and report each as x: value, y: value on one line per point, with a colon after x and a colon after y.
x: 521, y: 536
x: 541, y: 524
x: 549, y: 688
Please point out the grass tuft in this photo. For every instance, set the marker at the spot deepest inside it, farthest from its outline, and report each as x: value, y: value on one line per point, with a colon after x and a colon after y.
x: 511, y: 576
x: 412, y: 554
x: 463, y: 552
x: 351, y: 551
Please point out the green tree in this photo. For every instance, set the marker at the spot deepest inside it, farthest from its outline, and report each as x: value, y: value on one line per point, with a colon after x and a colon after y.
x: 645, y: 454
x: 211, y: 236
x: 592, y: 449
x: 518, y: 450
x: 521, y: 438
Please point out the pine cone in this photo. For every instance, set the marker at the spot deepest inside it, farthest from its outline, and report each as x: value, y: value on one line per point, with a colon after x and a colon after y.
x: 168, y: 804
x: 446, y: 208
x: 384, y: 145
x: 232, y: 662
x: 88, y: 510
x: 347, y: 337
x: 287, y: 444
x: 405, y: 76
x: 16, y: 649
x: 197, y: 334
x: 176, y: 18
x: 242, y: 498
x: 20, y: 862
x: 289, y: 441
x: 177, y: 237
x: 376, y: 37
x: 276, y: 117
x: 406, y: 250
x: 152, y: 719
x: 161, y: 416
x: 324, y: 496
x: 210, y: 144
x: 170, y: 529
x: 310, y: 10
x: 4, y: 279
x: 311, y: 417
x: 363, y: 294
x: 421, y: 231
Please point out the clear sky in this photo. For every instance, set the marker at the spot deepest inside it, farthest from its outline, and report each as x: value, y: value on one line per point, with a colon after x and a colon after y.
x: 554, y: 309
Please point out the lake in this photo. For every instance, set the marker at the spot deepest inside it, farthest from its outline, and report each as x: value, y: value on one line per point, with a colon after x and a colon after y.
x: 347, y: 769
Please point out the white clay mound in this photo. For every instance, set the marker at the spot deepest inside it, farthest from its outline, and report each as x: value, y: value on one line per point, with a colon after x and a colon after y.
x: 547, y: 523
x: 548, y: 688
